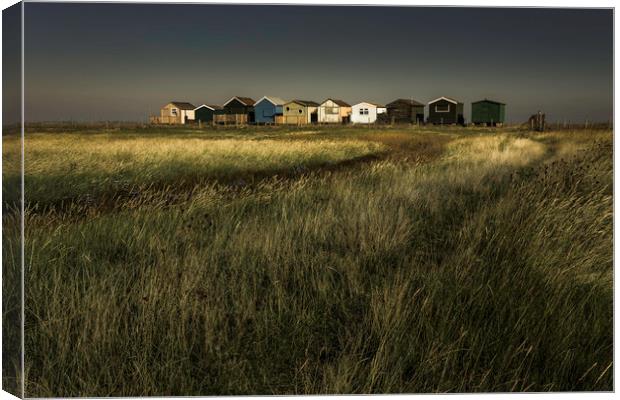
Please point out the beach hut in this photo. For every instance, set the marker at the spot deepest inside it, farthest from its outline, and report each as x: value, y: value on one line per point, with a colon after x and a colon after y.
x: 204, y: 113
x: 267, y: 109
x: 405, y: 111
x: 445, y: 110
x: 366, y: 112
x: 333, y: 111
x: 237, y: 110
x: 488, y: 112
x: 300, y: 112
x: 175, y: 112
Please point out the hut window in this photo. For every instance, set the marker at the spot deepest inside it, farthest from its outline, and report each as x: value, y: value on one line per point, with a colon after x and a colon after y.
x: 331, y: 110
x: 363, y: 111
x: 442, y: 108
x: 288, y: 109
x: 173, y: 111
x: 300, y: 111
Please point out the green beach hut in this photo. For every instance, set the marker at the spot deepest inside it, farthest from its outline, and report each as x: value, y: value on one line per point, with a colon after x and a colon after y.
x: 488, y: 112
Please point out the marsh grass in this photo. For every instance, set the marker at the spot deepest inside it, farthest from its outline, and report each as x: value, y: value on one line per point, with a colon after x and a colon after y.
x: 484, y: 265
x: 66, y: 168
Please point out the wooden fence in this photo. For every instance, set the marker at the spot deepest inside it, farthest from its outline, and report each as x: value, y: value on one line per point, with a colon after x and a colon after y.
x: 230, y: 119
x: 167, y: 120
x: 291, y: 120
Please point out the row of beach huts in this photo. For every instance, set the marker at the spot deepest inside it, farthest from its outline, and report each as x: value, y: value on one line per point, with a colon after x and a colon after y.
x: 273, y: 110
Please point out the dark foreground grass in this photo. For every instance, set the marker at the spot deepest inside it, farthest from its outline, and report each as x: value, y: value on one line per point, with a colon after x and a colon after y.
x: 485, y: 268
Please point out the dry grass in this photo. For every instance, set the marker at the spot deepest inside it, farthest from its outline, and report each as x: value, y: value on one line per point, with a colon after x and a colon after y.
x: 502, y: 150
x: 70, y: 167
x: 486, y: 267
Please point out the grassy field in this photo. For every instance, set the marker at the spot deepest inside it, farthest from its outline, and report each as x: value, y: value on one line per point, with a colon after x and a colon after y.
x: 319, y: 260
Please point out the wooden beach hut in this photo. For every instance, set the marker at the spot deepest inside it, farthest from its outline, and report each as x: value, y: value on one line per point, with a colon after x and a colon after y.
x: 267, y: 109
x: 238, y: 110
x: 175, y: 112
x: 445, y: 111
x: 366, y: 112
x: 334, y: 111
x: 300, y: 112
x: 488, y: 112
x: 405, y: 111
x: 204, y: 113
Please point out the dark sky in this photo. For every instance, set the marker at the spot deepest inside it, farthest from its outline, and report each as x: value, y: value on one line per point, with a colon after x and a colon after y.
x: 11, y: 64
x: 123, y: 61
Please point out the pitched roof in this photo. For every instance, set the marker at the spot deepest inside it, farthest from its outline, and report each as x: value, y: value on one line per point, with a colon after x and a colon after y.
x: 211, y: 106
x: 246, y: 101
x: 410, y: 102
x: 488, y: 101
x: 444, y: 98
x: 338, y: 102
x: 273, y: 100
x: 371, y: 103
x: 306, y: 103
x: 183, y: 105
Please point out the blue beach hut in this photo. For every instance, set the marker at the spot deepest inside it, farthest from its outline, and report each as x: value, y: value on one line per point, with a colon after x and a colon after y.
x: 266, y: 109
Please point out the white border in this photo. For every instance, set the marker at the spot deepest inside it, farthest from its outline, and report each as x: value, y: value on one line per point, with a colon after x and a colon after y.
x: 441, y: 3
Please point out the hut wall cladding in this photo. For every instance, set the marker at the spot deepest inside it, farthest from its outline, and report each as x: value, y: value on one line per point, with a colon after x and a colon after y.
x: 295, y: 113
x: 166, y: 116
x: 204, y: 114
x: 401, y: 111
x: 174, y: 113
x: 452, y: 115
x: 365, y: 113
x: 488, y: 112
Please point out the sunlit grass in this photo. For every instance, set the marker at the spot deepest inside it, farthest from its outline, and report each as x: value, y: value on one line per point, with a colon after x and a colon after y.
x: 65, y: 167
x: 469, y: 261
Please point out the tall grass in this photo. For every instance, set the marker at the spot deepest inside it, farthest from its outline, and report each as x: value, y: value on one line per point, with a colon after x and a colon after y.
x: 77, y: 168
x: 11, y: 281
x: 487, y: 268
